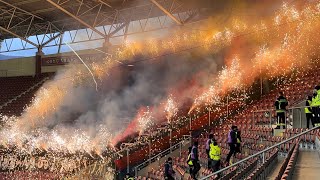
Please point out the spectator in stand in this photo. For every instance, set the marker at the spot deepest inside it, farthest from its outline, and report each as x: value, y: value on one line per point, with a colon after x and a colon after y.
x: 195, y: 160
x: 215, y: 156
x: 232, y: 141
x: 209, y: 141
x: 168, y: 169
x: 281, y: 103
x: 189, y: 161
x: 238, y: 145
x: 308, y: 112
x: 316, y: 106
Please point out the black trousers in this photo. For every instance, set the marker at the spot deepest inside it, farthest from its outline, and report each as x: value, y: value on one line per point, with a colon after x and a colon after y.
x: 316, y: 112
x: 209, y: 160
x: 232, y: 151
x: 281, y: 118
x: 309, y: 118
x: 215, y: 165
x: 196, y: 168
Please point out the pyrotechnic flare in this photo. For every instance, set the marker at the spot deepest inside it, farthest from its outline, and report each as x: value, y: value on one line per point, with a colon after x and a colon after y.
x: 170, y: 109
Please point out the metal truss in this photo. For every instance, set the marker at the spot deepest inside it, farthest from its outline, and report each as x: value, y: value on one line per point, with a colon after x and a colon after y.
x: 18, y: 23
x: 89, y: 21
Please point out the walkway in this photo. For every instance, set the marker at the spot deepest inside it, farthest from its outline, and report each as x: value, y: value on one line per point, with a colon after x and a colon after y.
x: 308, y: 166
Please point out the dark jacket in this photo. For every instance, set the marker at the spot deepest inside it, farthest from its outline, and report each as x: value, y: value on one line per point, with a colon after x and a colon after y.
x: 194, y: 153
x: 281, y: 104
x: 168, y: 170
x: 232, y: 137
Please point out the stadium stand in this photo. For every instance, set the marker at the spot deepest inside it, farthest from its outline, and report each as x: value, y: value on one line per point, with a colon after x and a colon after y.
x: 258, y: 134
x: 17, y: 92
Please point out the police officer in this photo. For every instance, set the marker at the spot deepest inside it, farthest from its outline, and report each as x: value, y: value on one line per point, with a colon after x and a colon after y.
x: 280, y: 104
x: 308, y: 111
x: 215, y: 156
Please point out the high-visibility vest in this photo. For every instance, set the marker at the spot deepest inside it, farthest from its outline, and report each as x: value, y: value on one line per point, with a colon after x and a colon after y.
x: 215, y: 152
x: 306, y: 110
x: 317, y: 99
x: 279, y: 105
x: 189, y: 160
x: 238, y: 140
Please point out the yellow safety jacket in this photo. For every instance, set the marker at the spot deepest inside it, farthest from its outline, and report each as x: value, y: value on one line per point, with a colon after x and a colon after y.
x: 189, y: 160
x: 317, y: 99
x: 306, y: 110
x: 215, y: 152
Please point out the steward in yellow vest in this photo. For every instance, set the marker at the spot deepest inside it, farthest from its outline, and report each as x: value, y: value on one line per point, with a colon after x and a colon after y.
x: 308, y: 111
x: 215, y: 156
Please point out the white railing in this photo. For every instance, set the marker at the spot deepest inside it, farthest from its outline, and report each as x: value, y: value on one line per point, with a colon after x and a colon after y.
x: 259, y: 154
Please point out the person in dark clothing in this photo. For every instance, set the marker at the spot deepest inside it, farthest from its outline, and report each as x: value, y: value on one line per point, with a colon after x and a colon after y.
x: 195, y: 160
x: 238, y: 145
x: 168, y: 169
x: 280, y: 104
x: 209, y: 141
x: 232, y: 141
x: 308, y: 111
x: 189, y: 161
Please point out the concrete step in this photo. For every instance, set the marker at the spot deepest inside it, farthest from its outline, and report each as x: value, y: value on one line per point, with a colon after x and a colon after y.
x: 308, y: 165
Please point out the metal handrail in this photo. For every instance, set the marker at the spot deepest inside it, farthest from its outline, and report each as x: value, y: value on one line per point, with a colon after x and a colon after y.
x: 258, y: 153
x: 161, y: 154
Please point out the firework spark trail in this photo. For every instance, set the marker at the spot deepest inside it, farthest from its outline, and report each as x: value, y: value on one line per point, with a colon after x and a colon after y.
x: 92, y: 75
x: 272, y: 61
x: 170, y: 108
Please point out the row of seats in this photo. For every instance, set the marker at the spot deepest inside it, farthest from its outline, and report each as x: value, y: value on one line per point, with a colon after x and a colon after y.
x: 264, y: 168
x: 17, y: 86
x: 292, y: 161
x: 286, y: 161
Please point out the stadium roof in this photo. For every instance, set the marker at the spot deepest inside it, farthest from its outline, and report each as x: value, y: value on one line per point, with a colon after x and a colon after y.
x: 25, y: 18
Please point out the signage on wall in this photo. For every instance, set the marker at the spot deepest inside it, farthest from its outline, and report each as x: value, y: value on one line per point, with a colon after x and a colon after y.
x: 63, y: 60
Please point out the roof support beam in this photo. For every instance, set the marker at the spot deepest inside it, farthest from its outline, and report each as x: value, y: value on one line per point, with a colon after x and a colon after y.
x: 16, y: 35
x: 118, y: 29
x: 76, y: 18
x: 53, y: 38
x: 166, y: 12
x: 8, y: 4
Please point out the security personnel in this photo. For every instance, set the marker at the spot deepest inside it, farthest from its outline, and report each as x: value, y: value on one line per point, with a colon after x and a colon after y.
x: 238, y: 145
x: 316, y: 106
x: 215, y: 156
x: 280, y: 104
x: 168, y: 169
x: 195, y: 160
x: 208, y: 142
x: 308, y: 111
x: 189, y: 161
x: 232, y: 142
